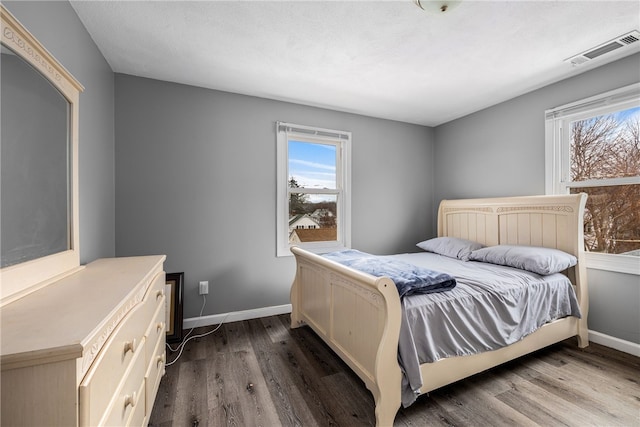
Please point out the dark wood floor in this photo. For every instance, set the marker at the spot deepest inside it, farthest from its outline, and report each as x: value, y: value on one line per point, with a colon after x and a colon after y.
x: 262, y: 373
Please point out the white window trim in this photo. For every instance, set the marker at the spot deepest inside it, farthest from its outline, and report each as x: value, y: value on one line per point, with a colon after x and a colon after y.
x: 284, y: 131
x: 619, y: 263
x: 614, y: 100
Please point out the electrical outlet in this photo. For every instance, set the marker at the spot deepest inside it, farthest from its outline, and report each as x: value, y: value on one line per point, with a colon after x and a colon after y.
x: 204, y: 287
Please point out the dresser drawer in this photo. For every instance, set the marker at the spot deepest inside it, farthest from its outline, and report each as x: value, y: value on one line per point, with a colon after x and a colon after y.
x: 138, y: 413
x: 129, y: 399
x: 156, y: 289
x: 155, y: 371
x: 155, y: 333
x: 107, y: 371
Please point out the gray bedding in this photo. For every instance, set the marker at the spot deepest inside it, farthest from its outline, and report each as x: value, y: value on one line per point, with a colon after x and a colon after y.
x: 408, y: 278
x: 492, y: 306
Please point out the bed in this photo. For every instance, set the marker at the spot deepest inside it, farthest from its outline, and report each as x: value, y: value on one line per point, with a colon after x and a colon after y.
x: 359, y: 315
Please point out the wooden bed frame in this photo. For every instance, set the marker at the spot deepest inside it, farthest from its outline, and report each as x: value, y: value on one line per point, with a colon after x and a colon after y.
x: 358, y: 315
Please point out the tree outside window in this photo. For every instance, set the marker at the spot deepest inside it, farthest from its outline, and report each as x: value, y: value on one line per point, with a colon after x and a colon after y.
x: 604, y: 163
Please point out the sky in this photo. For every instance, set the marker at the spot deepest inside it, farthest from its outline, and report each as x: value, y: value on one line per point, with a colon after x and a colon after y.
x: 312, y: 165
x: 624, y: 114
x: 622, y: 117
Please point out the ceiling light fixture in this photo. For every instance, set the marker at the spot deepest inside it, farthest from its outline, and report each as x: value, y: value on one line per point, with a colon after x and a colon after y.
x: 437, y: 6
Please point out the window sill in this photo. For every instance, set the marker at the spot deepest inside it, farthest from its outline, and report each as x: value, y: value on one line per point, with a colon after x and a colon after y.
x: 618, y: 263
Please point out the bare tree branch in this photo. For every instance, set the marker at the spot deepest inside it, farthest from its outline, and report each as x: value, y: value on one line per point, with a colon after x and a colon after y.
x: 605, y: 147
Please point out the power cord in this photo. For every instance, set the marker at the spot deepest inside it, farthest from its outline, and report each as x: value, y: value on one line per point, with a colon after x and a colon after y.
x: 204, y: 302
x: 187, y: 338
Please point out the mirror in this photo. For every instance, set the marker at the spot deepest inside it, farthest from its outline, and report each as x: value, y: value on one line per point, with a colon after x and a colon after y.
x: 39, y: 240
x: 34, y: 164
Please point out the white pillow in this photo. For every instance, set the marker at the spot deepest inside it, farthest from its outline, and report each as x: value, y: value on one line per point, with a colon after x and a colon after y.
x: 452, y: 247
x: 538, y: 260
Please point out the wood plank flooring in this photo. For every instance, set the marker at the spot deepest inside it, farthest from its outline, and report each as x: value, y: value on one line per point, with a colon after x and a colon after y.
x: 262, y: 373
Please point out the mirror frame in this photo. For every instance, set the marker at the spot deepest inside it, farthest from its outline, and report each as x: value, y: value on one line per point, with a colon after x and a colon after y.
x: 21, y: 279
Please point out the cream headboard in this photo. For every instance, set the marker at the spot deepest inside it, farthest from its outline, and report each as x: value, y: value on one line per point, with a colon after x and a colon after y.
x: 549, y: 221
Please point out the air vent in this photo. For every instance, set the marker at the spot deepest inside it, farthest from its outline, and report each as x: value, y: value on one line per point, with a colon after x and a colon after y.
x: 610, y: 46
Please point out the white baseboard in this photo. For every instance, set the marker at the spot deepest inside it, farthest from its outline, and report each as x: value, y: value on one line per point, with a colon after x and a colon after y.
x: 616, y: 343
x: 235, y: 316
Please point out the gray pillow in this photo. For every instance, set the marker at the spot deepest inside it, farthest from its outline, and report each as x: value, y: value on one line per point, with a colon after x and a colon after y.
x: 453, y: 247
x: 538, y: 260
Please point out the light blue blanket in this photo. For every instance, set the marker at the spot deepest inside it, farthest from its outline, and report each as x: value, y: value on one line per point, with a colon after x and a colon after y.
x: 409, y: 279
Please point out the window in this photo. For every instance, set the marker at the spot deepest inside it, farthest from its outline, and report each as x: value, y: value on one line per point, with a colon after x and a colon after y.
x: 313, y: 197
x: 593, y: 146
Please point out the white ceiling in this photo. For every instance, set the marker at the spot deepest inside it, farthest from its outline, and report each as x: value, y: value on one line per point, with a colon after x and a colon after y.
x: 386, y: 59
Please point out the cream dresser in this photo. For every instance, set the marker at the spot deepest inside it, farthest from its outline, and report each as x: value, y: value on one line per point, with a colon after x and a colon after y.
x: 88, y: 349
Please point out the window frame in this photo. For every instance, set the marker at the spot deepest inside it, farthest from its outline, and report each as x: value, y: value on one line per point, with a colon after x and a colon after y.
x: 557, y: 160
x: 342, y: 141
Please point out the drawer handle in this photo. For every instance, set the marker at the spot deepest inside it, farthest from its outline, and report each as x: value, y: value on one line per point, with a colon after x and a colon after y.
x: 130, y: 400
x: 161, y: 358
x: 159, y: 294
x: 130, y: 346
x: 159, y: 326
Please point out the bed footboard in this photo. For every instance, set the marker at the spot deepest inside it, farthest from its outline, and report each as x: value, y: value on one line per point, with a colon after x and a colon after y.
x: 358, y: 316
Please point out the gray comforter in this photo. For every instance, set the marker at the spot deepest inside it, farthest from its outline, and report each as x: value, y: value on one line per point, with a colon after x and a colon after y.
x: 491, y: 307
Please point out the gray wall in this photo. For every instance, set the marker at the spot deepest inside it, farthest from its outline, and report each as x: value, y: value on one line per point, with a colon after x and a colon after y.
x: 499, y: 151
x: 56, y: 25
x: 196, y: 180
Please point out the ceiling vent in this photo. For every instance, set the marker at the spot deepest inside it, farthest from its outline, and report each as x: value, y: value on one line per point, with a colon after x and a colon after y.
x: 632, y: 38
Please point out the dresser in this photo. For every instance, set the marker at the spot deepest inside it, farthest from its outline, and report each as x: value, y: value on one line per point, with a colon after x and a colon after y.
x: 88, y: 349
